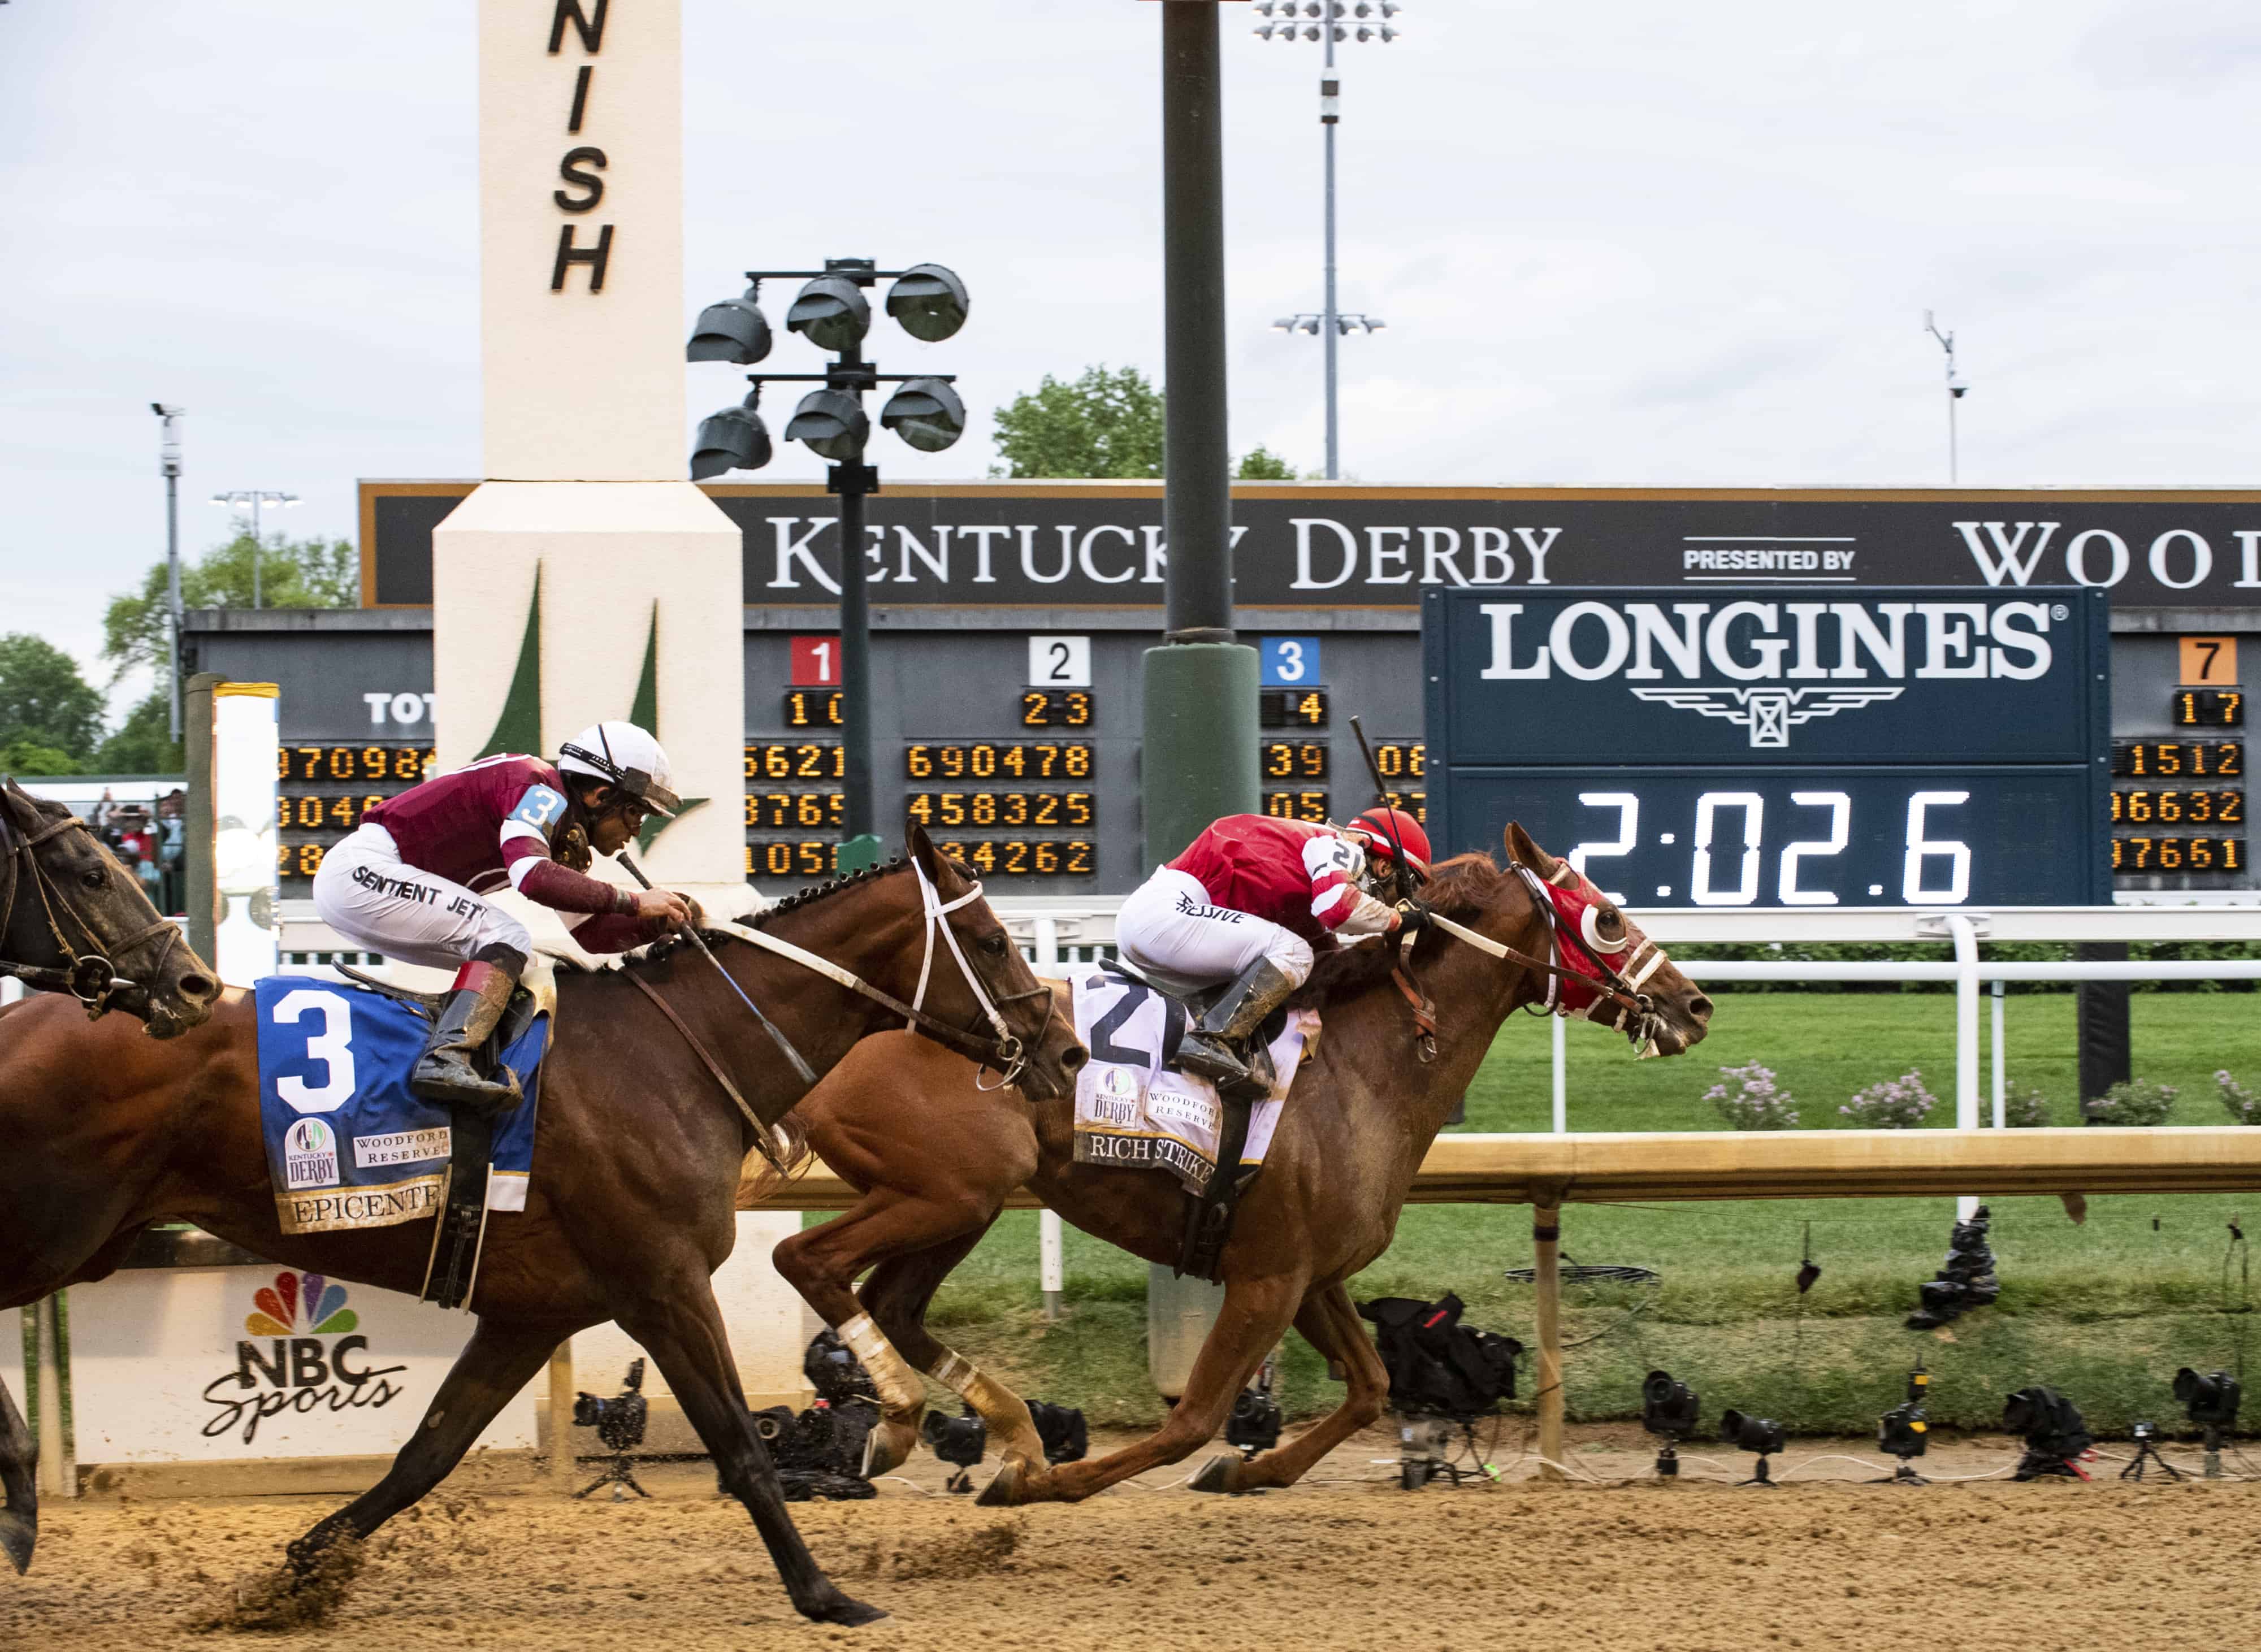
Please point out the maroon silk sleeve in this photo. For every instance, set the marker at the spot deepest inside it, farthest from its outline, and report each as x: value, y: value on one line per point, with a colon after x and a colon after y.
x: 565, y: 890
x: 615, y: 933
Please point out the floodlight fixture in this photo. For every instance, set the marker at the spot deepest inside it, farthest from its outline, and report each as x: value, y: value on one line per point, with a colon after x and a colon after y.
x: 734, y: 439
x: 735, y: 330
x: 926, y: 413
x: 831, y: 312
x: 929, y: 301
x: 832, y: 424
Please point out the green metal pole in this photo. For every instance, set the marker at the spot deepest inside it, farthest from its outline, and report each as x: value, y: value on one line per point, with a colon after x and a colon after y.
x: 1198, y: 752
x: 198, y: 823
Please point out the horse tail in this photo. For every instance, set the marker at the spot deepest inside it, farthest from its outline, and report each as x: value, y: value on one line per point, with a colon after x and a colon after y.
x: 759, y: 1178
x: 19, y: 1488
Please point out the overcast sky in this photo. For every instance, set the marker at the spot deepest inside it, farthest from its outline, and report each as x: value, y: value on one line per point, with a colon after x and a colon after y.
x: 1641, y: 243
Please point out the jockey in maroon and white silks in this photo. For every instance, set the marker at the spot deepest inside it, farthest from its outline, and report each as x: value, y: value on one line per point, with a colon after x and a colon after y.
x: 1247, y: 901
x: 409, y: 882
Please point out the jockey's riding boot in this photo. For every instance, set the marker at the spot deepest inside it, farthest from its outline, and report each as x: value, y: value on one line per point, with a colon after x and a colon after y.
x: 1214, y: 1047
x: 444, y: 1073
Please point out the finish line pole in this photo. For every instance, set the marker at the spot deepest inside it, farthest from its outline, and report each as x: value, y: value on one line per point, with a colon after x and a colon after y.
x: 1200, y: 733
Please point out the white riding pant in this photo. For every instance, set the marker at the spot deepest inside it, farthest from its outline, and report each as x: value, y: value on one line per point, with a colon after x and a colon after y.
x: 1168, y: 928
x: 371, y: 897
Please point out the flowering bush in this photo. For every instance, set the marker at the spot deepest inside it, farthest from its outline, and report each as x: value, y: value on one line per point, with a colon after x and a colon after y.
x: 1755, y: 1102
x: 1900, y: 1103
x: 2132, y: 1103
x: 2024, y: 1107
x: 2244, y: 1106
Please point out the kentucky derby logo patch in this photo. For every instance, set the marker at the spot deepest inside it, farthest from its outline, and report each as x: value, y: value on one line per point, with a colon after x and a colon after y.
x: 310, y: 1155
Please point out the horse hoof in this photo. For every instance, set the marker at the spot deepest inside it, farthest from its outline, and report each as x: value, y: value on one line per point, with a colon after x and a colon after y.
x: 1004, y: 1488
x: 887, y: 1448
x: 1218, y: 1474
x: 19, y: 1534
x: 848, y: 1612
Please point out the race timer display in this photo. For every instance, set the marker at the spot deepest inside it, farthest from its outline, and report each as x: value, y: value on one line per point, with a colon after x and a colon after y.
x: 1734, y: 745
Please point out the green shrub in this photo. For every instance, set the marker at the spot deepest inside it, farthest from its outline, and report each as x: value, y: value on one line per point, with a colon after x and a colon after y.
x: 2024, y: 1107
x: 2131, y: 1102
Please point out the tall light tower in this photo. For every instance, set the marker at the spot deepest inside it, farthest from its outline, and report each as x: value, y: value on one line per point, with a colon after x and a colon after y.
x: 254, y: 498
x: 1331, y: 23
x: 1955, y: 388
x: 168, y: 464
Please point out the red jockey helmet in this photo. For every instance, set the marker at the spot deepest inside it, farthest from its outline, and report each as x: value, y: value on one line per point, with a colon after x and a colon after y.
x: 1386, y: 829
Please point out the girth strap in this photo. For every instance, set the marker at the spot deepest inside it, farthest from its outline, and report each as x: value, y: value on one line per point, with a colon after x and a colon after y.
x: 762, y: 1138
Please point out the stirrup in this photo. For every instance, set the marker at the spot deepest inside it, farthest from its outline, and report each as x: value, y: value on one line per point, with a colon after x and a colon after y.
x: 1211, y: 1056
x: 456, y: 1084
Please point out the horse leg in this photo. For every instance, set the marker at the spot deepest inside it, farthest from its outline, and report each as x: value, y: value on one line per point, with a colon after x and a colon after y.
x: 897, y: 1295
x: 19, y: 1484
x: 1330, y: 1324
x: 823, y: 1263
x: 1256, y: 1314
x: 495, y: 1364
x: 682, y: 1329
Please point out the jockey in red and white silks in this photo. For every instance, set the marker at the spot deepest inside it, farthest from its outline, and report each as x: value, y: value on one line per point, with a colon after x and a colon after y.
x: 410, y: 881
x: 1247, y: 901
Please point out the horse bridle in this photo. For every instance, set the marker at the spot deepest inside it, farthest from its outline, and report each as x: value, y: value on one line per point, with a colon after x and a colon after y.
x: 1638, y: 1017
x: 92, y: 978
x: 1001, y: 1048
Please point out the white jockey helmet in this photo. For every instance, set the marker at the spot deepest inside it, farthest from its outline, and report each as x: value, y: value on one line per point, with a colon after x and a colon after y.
x: 621, y: 754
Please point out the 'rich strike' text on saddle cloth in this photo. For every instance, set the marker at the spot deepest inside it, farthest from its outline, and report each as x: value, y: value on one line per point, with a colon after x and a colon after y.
x: 1130, y: 1110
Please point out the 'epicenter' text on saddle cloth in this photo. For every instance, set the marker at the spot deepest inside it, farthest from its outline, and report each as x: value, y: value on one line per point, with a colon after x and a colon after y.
x: 347, y: 1146
x: 1134, y: 1111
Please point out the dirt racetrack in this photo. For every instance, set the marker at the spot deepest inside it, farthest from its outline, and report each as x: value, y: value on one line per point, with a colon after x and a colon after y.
x: 2049, y: 1567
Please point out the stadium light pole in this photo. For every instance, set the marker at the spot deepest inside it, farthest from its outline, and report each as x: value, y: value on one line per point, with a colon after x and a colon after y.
x: 168, y: 465
x: 1955, y: 388
x: 254, y: 498
x: 1332, y: 23
x: 831, y: 312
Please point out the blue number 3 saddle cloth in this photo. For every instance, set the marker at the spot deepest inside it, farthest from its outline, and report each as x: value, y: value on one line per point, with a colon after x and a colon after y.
x: 347, y: 1147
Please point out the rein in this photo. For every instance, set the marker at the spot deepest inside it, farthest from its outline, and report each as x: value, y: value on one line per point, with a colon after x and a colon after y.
x: 1004, y: 1050
x: 1637, y: 1014
x: 92, y: 977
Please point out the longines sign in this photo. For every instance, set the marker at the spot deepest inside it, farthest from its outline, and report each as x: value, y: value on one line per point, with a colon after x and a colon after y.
x: 1759, y: 744
x: 1023, y: 542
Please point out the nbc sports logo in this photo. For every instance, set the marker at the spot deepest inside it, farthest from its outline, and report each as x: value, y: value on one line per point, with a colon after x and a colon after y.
x: 300, y: 1304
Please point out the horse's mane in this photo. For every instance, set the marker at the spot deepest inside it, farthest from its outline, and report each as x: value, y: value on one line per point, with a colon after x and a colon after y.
x: 1462, y: 888
x: 667, y: 946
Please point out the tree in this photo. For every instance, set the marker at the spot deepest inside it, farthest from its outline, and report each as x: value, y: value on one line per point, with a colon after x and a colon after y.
x: 44, y: 704
x: 29, y: 759
x: 143, y: 742
x: 1104, y: 424
x: 293, y: 573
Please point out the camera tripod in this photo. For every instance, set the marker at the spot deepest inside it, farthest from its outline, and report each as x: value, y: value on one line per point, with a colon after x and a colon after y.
x: 1759, y: 1475
x: 616, y: 1474
x: 2146, y: 1452
x: 1904, y: 1475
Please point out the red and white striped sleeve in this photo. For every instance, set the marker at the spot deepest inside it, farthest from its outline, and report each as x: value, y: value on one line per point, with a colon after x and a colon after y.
x: 1336, y: 901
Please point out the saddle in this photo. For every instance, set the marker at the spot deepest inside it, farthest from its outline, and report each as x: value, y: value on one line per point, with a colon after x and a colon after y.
x: 1209, y: 1213
x: 461, y: 1227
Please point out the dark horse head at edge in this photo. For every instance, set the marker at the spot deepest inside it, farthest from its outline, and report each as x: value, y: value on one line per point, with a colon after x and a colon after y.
x: 66, y: 904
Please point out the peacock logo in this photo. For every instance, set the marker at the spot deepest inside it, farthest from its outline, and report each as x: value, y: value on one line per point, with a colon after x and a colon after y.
x: 299, y: 1305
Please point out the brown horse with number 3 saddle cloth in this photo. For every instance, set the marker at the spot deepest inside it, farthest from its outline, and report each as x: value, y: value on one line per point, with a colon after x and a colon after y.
x: 657, y: 1085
